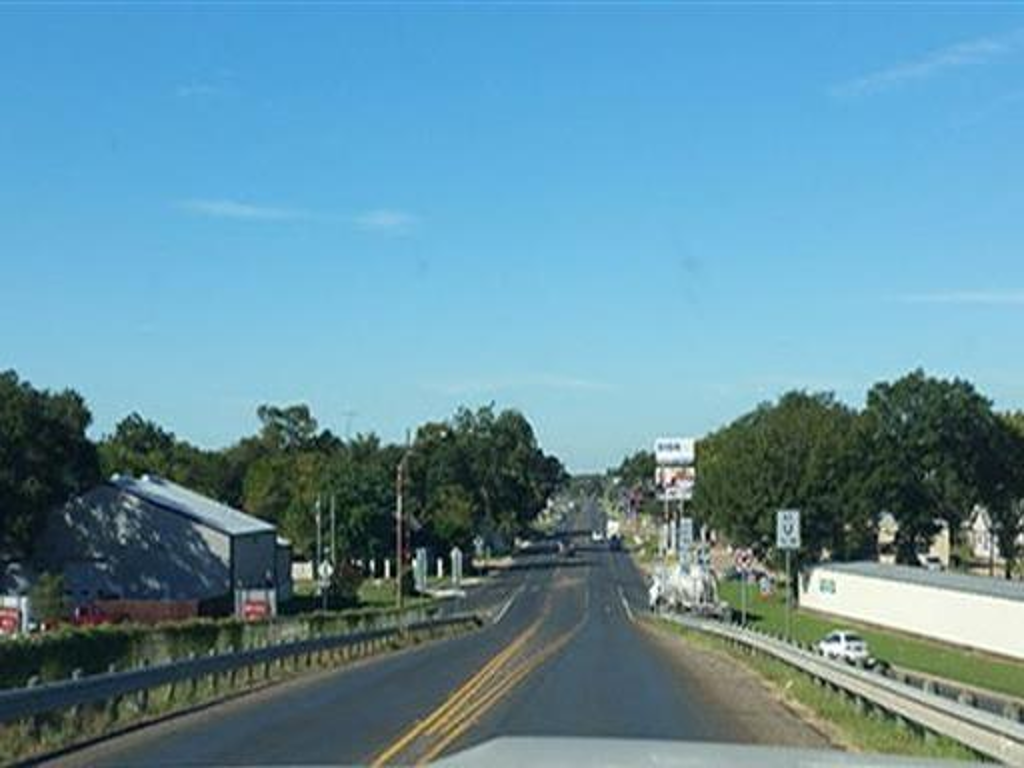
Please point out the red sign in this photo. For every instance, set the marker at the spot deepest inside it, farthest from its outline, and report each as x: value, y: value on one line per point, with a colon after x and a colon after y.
x: 10, y: 621
x: 744, y: 559
x: 255, y: 610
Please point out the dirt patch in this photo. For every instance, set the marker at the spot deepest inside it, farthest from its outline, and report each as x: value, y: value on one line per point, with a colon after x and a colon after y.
x: 760, y: 711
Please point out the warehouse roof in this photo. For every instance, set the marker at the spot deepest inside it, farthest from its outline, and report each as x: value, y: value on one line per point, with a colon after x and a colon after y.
x: 176, y: 498
x: 958, y: 582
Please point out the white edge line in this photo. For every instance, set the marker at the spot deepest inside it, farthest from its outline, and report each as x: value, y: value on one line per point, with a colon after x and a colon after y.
x: 625, y: 604
x: 507, y: 605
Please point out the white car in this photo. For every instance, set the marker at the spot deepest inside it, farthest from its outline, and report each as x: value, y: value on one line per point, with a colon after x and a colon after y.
x: 844, y: 645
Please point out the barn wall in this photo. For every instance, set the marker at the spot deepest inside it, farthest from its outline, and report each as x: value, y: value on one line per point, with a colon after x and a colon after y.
x: 110, y: 543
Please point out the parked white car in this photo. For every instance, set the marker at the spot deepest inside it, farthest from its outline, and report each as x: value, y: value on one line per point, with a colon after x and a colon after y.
x: 844, y: 645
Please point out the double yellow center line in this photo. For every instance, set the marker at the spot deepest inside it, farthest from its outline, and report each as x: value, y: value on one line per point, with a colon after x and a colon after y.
x: 428, y: 738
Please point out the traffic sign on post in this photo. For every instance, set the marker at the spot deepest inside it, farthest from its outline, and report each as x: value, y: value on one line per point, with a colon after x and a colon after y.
x: 685, y: 533
x: 787, y: 538
x: 787, y: 529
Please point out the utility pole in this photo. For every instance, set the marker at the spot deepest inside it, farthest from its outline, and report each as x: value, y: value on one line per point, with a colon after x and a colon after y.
x: 318, y: 552
x: 334, y: 533
x: 398, y: 480
x: 399, y: 522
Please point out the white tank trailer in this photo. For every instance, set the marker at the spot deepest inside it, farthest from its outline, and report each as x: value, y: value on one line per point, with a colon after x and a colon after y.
x: 682, y: 587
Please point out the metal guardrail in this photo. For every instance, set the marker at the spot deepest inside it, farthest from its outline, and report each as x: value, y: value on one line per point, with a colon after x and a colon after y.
x: 21, y: 703
x: 989, y: 734
x: 990, y: 701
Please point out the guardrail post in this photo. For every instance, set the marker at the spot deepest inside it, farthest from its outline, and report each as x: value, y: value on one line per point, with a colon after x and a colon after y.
x: 34, y: 722
x: 193, y: 683
x: 75, y: 712
x: 214, y: 677
x: 1012, y: 711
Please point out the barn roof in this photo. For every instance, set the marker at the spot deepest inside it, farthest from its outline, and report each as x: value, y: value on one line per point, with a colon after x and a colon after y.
x: 957, y: 582
x: 176, y: 498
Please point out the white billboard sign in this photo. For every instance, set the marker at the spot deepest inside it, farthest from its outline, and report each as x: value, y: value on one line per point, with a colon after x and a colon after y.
x: 675, y: 483
x: 674, y: 451
x: 787, y: 529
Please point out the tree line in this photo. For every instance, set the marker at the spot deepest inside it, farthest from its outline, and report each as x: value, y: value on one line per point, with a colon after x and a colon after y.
x: 926, y: 450
x: 481, y: 471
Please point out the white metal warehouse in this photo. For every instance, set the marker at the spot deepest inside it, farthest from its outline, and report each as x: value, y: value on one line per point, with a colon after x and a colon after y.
x: 151, y: 539
x: 973, y: 611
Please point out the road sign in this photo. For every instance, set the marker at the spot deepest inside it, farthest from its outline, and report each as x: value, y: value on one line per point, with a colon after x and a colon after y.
x: 325, y: 570
x: 677, y: 451
x: 744, y: 559
x: 419, y: 570
x: 685, y: 533
x: 456, y: 555
x: 10, y: 621
x: 787, y: 529
x: 255, y: 610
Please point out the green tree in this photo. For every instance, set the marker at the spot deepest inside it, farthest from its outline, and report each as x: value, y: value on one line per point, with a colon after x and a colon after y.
x: 796, y: 453
x: 45, y: 457
x: 1006, y: 475
x: 139, y: 446
x: 932, y: 456
x: 286, y: 428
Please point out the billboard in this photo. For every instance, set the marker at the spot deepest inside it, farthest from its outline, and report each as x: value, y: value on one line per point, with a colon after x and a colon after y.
x: 675, y: 483
x: 674, y: 451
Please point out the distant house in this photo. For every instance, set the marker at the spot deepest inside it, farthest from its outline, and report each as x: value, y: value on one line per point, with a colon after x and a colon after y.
x: 888, y: 528
x: 148, y: 538
x: 982, y: 538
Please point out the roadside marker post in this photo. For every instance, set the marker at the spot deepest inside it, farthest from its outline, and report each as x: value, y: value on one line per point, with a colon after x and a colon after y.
x: 787, y: 538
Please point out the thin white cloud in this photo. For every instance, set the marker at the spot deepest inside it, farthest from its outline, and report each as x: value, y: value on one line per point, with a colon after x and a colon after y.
x: 224, y: 208
x: 964, y: 53
x: 385, y: 221
x: 986, y: 298
x: 545, y: 381
x: 197, y: 90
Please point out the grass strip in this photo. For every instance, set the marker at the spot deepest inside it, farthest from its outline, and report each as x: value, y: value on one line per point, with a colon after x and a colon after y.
x: 857, y: 729
x: 939, y: 659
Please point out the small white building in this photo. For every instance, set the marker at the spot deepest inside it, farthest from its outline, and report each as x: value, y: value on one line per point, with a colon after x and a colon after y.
x: 148, y: 538
x: 973, y: 611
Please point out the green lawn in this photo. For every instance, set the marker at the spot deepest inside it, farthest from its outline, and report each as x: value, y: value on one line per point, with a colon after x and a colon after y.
x: 897, y: 649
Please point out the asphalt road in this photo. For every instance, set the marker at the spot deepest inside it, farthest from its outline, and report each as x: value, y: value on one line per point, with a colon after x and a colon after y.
x: 566, y: 659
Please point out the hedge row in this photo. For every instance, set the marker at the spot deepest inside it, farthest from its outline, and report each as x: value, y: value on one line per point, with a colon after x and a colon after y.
x: 55, y: 655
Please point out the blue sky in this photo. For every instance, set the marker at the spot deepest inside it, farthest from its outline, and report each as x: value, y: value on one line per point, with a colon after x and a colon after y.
x: 626, y: 220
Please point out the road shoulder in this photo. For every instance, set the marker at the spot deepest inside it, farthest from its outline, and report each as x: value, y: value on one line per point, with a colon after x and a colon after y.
x: 762, y: 715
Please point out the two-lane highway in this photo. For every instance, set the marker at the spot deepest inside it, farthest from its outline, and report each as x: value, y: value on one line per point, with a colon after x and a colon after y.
x: 566, y: 659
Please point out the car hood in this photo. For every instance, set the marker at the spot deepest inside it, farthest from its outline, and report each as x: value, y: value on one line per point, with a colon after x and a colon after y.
x: 541, y: 752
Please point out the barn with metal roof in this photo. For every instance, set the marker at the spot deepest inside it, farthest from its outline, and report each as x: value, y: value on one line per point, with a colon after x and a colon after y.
x: 148, y: 538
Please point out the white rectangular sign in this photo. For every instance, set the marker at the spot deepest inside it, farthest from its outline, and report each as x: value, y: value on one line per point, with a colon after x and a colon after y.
x: 685, y: 532
x: 674, y: 451
x: 675, y: 483
x: 787, y: 529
